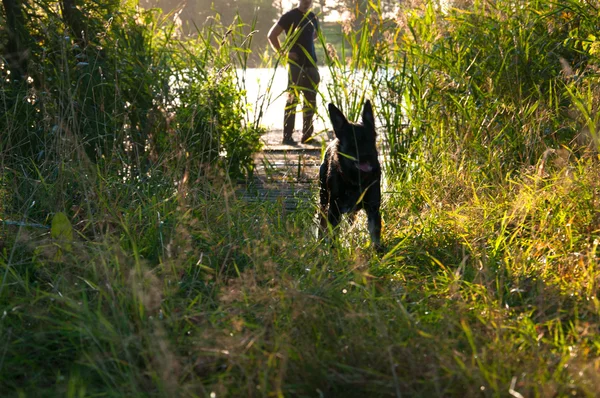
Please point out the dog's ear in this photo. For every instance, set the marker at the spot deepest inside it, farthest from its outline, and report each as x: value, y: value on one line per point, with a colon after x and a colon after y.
x: 368, y: 119
x: 338, y: 120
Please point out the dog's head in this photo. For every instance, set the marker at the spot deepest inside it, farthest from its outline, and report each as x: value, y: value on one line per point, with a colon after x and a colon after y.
x: 357, y: 142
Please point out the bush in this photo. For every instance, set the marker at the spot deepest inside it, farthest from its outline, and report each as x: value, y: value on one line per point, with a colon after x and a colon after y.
x: 110, y: 91
x: 486, y: 81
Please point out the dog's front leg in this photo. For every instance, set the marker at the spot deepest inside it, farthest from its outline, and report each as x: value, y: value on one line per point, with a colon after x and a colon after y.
x: 374, y: 224
x: 323, y: 196
x: 323, y: 213
x: 333, y: 214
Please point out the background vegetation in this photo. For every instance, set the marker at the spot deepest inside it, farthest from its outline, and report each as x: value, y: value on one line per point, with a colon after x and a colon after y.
x: 129, y: 268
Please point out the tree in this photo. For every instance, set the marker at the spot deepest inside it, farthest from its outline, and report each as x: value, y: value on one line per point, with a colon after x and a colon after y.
x: 73, y: 18
x: 16, y: 52
x: 361, y: 8
x: 257, y: 15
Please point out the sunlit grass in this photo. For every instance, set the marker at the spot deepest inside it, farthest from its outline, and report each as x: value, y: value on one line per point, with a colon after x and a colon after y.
x: 173, y: 286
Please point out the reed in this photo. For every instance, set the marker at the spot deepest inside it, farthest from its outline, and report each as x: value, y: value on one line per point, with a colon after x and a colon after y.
x: 130, y: 268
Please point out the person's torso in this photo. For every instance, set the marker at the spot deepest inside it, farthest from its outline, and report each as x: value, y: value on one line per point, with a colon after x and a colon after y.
x: 301, y: 28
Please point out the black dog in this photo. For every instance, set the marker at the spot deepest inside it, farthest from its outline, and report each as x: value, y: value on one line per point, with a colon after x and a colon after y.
x: 350, y: 174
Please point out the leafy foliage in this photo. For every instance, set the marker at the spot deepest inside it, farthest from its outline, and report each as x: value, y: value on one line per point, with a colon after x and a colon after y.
x: 112, y: 92
x: 488, y: 81
x: 136, y: 271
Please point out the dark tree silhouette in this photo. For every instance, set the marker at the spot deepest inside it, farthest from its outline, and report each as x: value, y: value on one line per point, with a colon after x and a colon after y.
x: 16, y: 52
x: 73, y: 18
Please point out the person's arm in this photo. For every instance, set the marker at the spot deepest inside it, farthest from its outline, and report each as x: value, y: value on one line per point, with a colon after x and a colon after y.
x: 273, y: 37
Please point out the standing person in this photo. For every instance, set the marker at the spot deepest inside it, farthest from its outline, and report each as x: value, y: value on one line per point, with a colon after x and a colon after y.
x: 301, y: 27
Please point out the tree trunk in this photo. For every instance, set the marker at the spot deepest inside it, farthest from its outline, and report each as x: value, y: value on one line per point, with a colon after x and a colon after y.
x: 16, y: 53
x: 74, y: 20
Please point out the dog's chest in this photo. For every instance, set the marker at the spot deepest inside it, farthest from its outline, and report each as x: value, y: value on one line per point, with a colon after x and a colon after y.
x: 348, y: 200
x: 353, y: 197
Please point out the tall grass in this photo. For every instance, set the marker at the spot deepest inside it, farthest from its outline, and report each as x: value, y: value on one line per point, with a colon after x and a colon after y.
x: 128, y: 266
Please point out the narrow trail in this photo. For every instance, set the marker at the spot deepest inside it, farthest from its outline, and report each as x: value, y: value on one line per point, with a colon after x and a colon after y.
x: 284, y: 173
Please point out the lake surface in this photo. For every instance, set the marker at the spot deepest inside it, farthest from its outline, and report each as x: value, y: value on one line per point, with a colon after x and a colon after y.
x: 265, y: 90
x: 266, y: 94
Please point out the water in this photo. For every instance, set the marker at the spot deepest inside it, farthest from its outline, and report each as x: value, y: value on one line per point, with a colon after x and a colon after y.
x: 265, y: 88
x: 258, y: 82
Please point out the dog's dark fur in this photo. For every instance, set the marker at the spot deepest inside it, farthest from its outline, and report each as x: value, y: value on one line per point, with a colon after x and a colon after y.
x: 350, y: 175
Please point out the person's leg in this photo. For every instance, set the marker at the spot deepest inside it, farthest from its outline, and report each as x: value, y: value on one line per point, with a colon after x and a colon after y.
x: 289, y: 114
x: 310, y: 81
